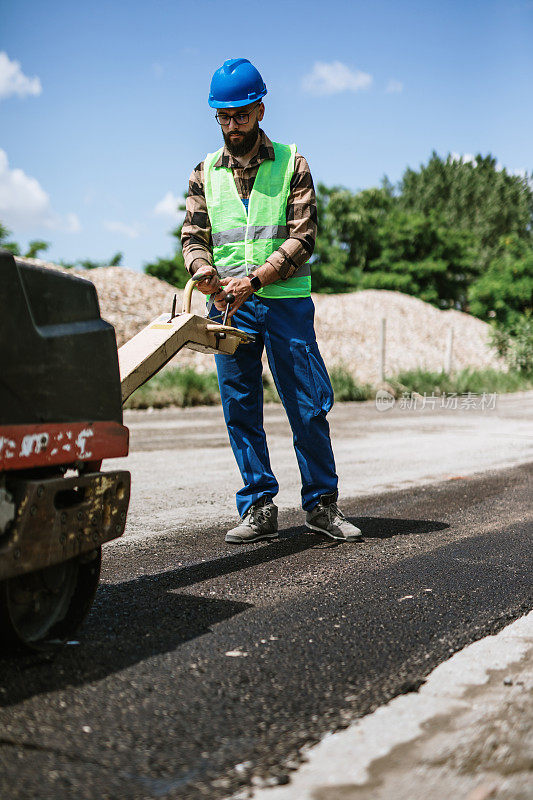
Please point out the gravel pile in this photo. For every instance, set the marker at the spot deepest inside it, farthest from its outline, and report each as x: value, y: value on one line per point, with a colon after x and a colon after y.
x: 348, y: 325
x: 349, y: 330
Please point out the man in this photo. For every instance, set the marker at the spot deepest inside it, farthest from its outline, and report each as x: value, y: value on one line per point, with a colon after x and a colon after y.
x: 250, y: 227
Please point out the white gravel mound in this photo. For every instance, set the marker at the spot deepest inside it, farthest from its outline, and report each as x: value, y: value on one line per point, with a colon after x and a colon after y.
x: 349, y: 330
x: 348, y: 325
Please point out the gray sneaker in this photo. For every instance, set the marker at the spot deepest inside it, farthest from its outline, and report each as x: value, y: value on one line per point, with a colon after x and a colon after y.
x: 259, y: 522
x: 326, y: 518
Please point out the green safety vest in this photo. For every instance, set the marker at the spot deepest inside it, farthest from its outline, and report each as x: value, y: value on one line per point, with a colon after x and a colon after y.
x: 243, y: 241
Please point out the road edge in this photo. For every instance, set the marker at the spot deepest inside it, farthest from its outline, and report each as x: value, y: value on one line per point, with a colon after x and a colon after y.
x: 347, y: 756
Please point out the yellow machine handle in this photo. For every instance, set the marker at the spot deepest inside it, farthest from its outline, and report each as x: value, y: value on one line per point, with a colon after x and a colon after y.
x: 187, y: 292
x: 187, y: 297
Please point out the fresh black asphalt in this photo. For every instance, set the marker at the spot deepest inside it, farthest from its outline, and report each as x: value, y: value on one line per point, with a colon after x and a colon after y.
x: 204, y: 666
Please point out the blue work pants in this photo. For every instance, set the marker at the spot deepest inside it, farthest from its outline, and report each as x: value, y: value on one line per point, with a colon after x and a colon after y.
x: 285, y: 327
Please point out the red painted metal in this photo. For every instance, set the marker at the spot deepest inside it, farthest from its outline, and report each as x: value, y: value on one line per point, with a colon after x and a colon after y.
x: 40, y: 445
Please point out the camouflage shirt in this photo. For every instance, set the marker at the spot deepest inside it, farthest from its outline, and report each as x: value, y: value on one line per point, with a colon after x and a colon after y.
x: 301, y: 211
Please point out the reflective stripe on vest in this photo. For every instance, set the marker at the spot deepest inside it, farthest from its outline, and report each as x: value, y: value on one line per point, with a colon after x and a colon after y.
x: 243, y: 241
x: 254, y: 232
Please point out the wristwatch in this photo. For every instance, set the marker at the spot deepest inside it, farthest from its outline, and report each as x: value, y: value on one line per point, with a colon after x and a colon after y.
x: 255, y: 281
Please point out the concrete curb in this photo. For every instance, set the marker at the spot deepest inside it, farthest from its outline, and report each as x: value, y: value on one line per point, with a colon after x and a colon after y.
x: 340, y: 765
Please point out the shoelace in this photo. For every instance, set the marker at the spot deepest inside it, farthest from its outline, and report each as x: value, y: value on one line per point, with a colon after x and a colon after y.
x: 257, y: 514
x: 333, y: 512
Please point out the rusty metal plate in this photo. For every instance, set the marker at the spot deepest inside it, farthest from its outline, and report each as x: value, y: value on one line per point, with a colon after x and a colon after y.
x: 59, y: 518
x: 40, y: 445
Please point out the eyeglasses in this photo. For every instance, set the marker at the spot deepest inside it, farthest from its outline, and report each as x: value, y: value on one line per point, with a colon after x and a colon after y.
x: 241, y: 118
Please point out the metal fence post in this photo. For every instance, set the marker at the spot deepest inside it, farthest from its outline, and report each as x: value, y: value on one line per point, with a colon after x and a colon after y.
x: 449, y: 351
x: 382, y: 347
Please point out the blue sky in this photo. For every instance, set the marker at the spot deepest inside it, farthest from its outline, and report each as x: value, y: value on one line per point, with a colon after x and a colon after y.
x: 103, y: 105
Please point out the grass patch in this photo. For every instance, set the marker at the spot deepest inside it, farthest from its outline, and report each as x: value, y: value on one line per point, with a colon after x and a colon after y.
x: 270, y: 393
x: 177, y: 387
x: 476, y: 381
x: 184, y: 386
x: 346, y: 387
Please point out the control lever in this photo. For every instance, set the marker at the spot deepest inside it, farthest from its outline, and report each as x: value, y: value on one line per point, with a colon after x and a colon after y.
x: 230, y: 298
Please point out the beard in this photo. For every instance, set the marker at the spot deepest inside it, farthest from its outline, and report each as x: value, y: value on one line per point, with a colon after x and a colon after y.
x: 241, y: 146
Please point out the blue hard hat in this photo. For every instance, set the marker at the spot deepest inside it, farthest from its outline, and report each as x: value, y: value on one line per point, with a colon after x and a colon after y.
x: 235, y: 84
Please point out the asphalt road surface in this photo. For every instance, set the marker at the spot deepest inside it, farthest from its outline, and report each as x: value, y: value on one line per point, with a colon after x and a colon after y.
x: 204, y: 667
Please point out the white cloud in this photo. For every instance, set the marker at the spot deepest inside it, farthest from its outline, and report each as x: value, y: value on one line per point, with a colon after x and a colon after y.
x: 13, y: 81
x: 465, y: 158
x: 20, y: 195
x: 168, y: 207
x: 131, y: 231
x: 334, y: 78
x: 394, y: 87
x: 24, y: 203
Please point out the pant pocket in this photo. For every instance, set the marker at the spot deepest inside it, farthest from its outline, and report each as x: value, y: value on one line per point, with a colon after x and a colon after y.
x: 319, y: 379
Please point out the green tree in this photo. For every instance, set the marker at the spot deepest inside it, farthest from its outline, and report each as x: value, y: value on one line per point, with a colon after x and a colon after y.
x: 13, y: 247
x: 330, y: 256
x: 115, y: 261
x: 89, y: 263
x: 368, y: 240
x: 359, y: 218
x: 474, y: 196
x: 514, y: 342
x: 35, y: 247
x: 348, y: 235
x: 504, y: 292
x: 421, y: 255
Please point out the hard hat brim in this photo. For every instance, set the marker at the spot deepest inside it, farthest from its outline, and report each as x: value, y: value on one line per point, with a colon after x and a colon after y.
x: 236, y: 103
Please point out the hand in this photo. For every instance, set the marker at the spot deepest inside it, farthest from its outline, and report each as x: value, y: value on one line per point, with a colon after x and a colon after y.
x: 240, y: 288
x: 211, y: 283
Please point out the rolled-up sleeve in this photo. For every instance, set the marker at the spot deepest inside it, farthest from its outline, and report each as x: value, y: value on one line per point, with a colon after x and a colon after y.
x: 196, y: 239
x: 301, y: 222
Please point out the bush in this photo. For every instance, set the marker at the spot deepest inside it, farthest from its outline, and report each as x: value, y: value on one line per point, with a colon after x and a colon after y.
x: 514, y: 343
x: 476, y: 381
x: 421, y: 381
x: 177, y: 387
x: 270, y: 393
x: 503, y: 292
x: 346, y: 387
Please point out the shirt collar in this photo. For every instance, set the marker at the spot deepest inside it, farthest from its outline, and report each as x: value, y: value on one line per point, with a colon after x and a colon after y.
x: 265, y: 152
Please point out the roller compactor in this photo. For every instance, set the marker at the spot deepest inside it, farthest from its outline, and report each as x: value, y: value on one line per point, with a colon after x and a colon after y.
x: 62, y: 386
